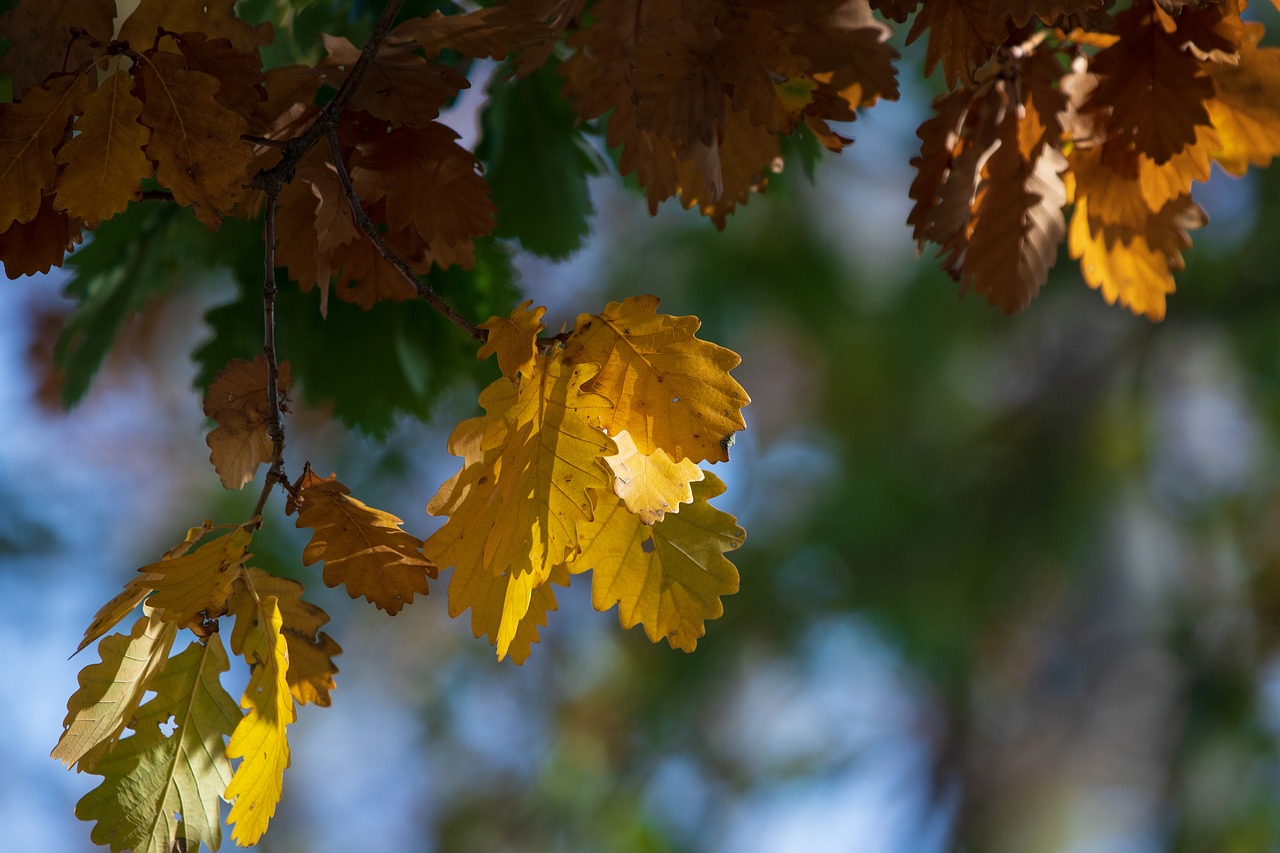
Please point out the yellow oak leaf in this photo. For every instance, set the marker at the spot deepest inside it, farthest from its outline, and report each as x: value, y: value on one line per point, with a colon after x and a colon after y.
x: 110, y: 691
x: 1246, y: 107
x: 29, y: 133
x: 195, y: 141
x: 363, y: 548
x: 494, y: 601
x: 517, y: 509
x: 103, y: 164
x: 161, y: 786
x: 651, y: 485
x: 123, y: 603
x: 1134, y: 266
x: 668, y: 577
x: 260, y: 738
x: 213, y: 18
x: 311, y: 651
x: 514, y: 339
x: 27, y: 248
x: 237, y: 401
x: 197, y: 585
x: 669, y: 389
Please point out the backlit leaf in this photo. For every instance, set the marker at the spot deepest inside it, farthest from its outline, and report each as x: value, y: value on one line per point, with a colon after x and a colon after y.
x: 237, y: 401
x: 514, y: 339
x: 650, y: 485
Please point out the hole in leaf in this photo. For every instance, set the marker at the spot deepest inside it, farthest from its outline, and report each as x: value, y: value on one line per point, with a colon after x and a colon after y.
x: 177, y: 816
x: 169, y: 726
x: 647, y: 546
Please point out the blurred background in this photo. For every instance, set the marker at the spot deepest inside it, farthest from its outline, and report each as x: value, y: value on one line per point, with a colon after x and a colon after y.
x: 1010, y: 584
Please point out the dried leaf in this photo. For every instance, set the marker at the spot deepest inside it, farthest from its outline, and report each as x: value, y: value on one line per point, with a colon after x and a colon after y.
x: 213, y: 18
x: 29, y: 132
x: 237, y: 401
x: 1246, y: 108
x: 650, y: 485
x: 27, y: 248
x: 41, y: 33
x: 362, y: 548
x: 195, y: 586
x: 103, y: 164
x: 962, y: 37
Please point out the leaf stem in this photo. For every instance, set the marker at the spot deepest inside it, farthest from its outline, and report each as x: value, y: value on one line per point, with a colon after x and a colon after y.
x: 424, y: 290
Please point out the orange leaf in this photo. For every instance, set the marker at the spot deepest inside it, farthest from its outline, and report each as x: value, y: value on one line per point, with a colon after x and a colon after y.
x: 514, y: 339
x: 1246, y: 109
x: 103, y: 164
x: 237, y: 401
x: 362, y: 548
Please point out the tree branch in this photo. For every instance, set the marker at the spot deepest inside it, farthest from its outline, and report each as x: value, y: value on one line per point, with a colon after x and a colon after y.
x: 295, y: 149
x: 275, y: 426
x: 424, y: 290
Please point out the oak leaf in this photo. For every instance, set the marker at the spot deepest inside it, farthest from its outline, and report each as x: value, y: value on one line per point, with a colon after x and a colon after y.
x: 214, y: 18
x: 110, y: 691
x: 197, y: 585
x: 362, y: 548
x: 161, y: 792
x: 311, y: 651
x: 1151, y: 91
x: 962, y: 37
x: 668, y: 577
x: 238, y: 71
x: 668, y: 388
x: 1246, y: 108
x: 530, y: 464
x: 492, y: 601
x: 103, y: 164
x: 41, y: 40
x: 514, y: 339
x: 260, y: 738
x: 651, y: 485
x: 27, y: 248
x: 195, y: 141
x: 29, y: 132
x: 400, y: 87
x: 237, y: 402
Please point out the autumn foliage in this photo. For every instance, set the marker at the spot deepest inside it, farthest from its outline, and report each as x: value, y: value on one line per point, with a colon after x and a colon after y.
x: 1076, y: 122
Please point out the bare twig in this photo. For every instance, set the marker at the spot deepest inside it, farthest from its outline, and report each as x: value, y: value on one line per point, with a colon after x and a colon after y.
x: 424, y: 290
x: 275, y: 426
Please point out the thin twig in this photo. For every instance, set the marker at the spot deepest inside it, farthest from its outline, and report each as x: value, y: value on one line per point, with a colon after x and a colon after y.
x: 275, y: 426
x: 295, y: 149
x: 370, y: 230
x: 157, y: 195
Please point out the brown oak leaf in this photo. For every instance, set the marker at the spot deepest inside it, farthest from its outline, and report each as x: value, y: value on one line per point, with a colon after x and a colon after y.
x: 237, y: 401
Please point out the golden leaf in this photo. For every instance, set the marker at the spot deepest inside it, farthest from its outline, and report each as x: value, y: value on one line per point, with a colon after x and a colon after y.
x: 494, y: 601
x: 29, y: 132
x: 195, y: 141
x: 197, y: 585
x: 668, y: 388
x: 260, y: 738
x: 668, y: 577
x: 1246, y: 107
x: 103, y: 164
x: 514, y: 339
x: 237, y: 401
x: 651, y: 485
x: 362, y: 548
x: 525, y: 487
x: 311, y: 651
x: 110, y: 691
